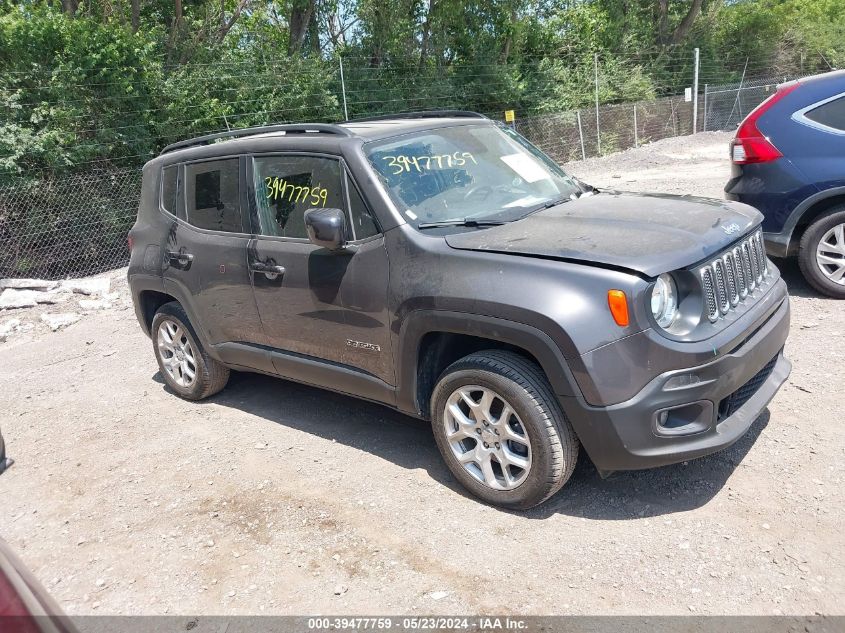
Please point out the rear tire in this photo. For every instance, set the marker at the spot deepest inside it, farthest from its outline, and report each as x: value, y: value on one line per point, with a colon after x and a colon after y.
x: 184, y: 364
x: 514, y: 460
x: 822, y: 247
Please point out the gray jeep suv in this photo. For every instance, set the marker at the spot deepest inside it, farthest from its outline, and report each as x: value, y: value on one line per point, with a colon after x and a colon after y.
x: 440, y: 264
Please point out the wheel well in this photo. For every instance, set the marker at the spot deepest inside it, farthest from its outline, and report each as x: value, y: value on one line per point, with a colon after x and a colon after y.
x: 438, y: 350
x: 809, y: 216
x: 151, y: 301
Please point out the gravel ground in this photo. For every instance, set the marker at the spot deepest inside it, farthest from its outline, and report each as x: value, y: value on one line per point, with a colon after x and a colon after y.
x: 278, y: 498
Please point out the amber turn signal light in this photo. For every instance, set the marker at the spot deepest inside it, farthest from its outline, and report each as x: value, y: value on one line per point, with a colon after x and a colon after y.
x: 618, y: 304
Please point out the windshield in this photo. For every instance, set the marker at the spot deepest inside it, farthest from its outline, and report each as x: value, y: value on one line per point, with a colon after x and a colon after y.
x: 468, y: 172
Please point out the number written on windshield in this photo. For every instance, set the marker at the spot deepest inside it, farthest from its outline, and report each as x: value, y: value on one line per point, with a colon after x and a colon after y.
x: 402, y: 163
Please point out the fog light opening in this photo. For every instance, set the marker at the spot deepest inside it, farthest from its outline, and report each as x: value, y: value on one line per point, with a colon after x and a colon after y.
x: 686, y: 419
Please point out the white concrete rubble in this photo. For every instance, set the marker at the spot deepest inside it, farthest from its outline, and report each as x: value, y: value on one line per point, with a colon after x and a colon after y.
x: 93, y: 286
x: 13, y: 298
x: 60, y: 319
x: 7, y: 327
x: 29, y: 284
x: 94, y: 304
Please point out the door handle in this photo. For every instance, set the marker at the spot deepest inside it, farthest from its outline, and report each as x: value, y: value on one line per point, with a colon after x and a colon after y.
x: 269, y: 269
x: 182, y: 258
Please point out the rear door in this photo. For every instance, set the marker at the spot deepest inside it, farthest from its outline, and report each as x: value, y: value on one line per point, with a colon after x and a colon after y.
x: 205, y: 256
x: 324, y: 305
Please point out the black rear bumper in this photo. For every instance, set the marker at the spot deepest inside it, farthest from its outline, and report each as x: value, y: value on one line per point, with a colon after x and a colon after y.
x: 690, y: 412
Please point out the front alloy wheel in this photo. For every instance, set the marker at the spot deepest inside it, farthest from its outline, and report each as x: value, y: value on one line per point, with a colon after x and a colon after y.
x: 501, y: 430
x: 487, y: 437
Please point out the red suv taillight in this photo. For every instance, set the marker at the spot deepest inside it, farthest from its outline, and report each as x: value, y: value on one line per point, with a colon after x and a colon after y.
x: 750, y: 145
x: 129, y: 242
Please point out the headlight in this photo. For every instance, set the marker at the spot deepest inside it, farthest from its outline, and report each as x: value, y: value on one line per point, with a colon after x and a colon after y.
x: 664, y: 300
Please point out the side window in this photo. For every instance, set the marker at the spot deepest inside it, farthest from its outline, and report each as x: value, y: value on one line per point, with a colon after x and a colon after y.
x: 170, y: 191
x: 212, y: 199
x: 287, y: 186
x: 362, y: 220
x: 831, y: 114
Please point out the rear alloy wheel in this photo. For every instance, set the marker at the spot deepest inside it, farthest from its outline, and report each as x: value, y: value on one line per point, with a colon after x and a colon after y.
x: 185, y: 366
x: 821, y: 254
x: 501, y: 430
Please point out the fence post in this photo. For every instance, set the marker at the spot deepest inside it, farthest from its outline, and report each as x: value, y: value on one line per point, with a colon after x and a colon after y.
x: 674, y: 119
x: 695, y: 95
x: 598, y: 124
x: 636, y: 137
x: 343, y: 88
x: 704, y: 120
x: 581, y: 135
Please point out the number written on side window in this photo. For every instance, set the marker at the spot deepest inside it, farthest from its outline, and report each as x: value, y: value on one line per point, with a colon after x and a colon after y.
x: 212, y: 197
x: 287, y: 186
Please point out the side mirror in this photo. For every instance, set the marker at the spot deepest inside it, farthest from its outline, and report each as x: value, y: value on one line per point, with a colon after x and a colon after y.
x: 326, y: 228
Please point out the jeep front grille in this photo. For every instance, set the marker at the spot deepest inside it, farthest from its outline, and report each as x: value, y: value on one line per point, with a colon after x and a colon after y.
x: 731, y: 277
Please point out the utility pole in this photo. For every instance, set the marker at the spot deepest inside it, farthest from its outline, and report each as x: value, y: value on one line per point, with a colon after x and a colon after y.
x: 695, y: 95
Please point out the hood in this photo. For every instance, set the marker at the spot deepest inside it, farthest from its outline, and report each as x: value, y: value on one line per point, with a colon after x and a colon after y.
x: 648, y: 233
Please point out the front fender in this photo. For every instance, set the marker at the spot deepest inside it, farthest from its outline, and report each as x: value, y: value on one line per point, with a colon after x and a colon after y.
x: 421, y: 322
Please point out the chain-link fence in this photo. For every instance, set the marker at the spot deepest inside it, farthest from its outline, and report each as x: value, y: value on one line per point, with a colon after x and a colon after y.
x: 588, y: 132
x: 76, y: 224
x: 725, y: 106
x: 68, y: 226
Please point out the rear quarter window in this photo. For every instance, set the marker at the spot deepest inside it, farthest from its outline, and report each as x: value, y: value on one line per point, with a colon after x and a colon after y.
x: 830, y: 114
x: 170, y: 191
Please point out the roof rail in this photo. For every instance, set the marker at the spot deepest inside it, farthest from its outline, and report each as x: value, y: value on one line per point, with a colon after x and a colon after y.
x: 288, y: 128
x: 422, y: 114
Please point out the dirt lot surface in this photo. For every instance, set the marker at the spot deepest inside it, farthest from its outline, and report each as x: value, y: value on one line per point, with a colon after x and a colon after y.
x: 278, y: 498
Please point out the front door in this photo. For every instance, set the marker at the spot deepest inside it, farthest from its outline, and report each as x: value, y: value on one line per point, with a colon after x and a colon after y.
x: 205, y: 254
x: 323, y: 305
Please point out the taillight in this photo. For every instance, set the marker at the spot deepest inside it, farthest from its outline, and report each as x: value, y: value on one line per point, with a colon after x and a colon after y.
x: 129, y: 242
x: 750, y: 144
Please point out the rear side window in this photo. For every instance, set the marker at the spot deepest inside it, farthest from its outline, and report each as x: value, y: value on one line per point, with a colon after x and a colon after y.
x: 212, y: 197
x: 287, y: 186
x: 170, y: 191
x: 830, y: 114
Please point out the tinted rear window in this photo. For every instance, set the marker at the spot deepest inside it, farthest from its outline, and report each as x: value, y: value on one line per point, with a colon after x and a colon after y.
x: 831, y: 114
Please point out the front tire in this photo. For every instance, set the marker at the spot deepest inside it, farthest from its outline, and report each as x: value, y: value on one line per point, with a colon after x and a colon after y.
x: 821, y: 253
x: 184, y: 364
x: 501, y: 430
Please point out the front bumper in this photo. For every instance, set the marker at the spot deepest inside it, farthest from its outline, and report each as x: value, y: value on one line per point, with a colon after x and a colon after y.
x: 707, y: 407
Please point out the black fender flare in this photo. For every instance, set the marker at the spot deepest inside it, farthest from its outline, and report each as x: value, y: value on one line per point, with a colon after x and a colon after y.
x: 779, y: 242
x: 421, y: 322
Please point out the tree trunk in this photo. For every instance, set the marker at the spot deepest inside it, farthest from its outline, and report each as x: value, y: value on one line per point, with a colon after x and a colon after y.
x: 505, y: 53
x: 70, y: 7
x: 226, y: 25
x: 684, y: 27
x: 300, y: 19
x: 136, y: 15
x: 426, y: 34
x: 662, y: 21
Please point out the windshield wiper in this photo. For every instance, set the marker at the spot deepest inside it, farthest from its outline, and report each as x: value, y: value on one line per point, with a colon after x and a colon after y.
x: 459, y: 222
x: 550, y: 204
